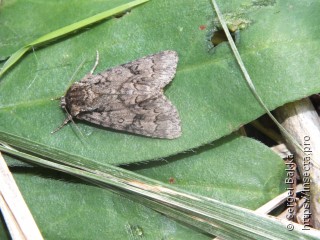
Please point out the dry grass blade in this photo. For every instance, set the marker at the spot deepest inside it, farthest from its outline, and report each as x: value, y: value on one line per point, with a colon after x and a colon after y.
x: 248, y: 78
x: 16, y: 213
x: 208, y: 215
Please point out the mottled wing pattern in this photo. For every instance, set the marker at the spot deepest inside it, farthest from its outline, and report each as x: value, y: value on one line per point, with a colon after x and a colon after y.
x: 153, y: 117
x: 149, y: 73
x: 129, y: 97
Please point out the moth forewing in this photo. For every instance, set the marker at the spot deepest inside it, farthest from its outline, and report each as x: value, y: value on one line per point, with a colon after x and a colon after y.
x: 128, y: 97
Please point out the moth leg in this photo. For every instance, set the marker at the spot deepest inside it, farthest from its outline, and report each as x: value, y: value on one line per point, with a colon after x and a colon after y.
x: 96, y: 63
x: 69, y: 116
x: 65, y: 122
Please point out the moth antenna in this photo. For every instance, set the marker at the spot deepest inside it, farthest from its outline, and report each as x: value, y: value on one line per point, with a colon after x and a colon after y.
x: 76, y: 71
x: 55, y: 99
x: 34, y: 53
x: 96, y: 63
x: 69, y: 117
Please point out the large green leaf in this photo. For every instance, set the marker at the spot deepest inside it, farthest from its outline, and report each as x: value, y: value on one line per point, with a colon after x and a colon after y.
x: 208, y: 90
x: 70, y: 210
x: 247, y: 176
x: 239, y: 171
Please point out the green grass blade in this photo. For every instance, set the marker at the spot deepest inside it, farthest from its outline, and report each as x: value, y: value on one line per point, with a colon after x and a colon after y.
x: 83, y: 23
x: 13, y: 59
x: 248, y: 78
x: 67, y: 30
x: 209, y: 215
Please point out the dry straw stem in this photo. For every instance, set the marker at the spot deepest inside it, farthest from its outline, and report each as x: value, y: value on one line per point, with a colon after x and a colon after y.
x: 16, y: 213
x: 247, y: 76
x: 208, y: 215
x: 302, y: 121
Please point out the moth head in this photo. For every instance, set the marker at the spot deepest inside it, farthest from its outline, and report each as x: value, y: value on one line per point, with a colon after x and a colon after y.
x: 63, y: 102
x: 65, y: 106
x: 68, y: 118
